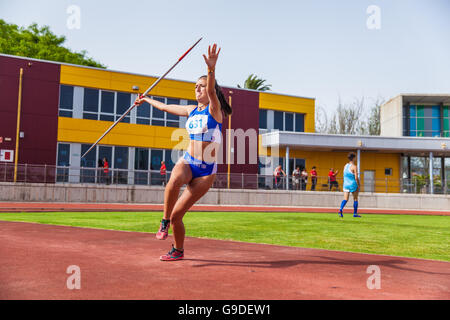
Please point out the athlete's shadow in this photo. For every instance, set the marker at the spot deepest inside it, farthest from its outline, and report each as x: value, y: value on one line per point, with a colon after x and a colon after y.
x: 392, y: 263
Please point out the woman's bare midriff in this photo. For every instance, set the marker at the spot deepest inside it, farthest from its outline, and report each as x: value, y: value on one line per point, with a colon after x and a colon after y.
x: 203, y: 150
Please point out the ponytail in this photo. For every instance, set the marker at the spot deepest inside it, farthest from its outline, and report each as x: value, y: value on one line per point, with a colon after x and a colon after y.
x: 224, y: 105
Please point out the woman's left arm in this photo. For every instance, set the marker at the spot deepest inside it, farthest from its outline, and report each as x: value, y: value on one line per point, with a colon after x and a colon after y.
x: 354, y: 169
x: 214, y: 104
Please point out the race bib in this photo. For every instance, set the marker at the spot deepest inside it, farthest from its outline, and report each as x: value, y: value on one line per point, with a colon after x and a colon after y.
x: 197, y: 124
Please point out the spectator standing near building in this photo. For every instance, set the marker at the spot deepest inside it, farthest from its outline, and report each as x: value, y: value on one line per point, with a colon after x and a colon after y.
x: 332, y: 179
x: 277, y: 175
x: 296, y: 178
x: 304, y: 179
x: 313, y: 174
x: 162, y: 172
x: 106, y: 170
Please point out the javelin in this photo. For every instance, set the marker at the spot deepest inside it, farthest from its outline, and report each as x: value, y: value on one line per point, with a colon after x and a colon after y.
x: 143, y: 95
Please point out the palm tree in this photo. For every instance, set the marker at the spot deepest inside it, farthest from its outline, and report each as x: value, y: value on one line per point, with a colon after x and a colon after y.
x: 254, y: 83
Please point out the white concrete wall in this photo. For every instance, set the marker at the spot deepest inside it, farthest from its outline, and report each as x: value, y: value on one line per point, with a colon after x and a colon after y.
x: 391, y: 118
x: 155, y: 195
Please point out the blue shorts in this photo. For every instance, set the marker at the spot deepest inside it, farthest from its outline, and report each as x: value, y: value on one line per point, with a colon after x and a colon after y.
x: 200, y: 168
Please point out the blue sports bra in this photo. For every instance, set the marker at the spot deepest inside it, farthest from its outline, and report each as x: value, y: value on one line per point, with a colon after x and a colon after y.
x: 202, y: 126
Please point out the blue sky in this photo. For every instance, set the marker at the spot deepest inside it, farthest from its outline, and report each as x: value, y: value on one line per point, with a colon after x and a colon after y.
x: 321, y: 49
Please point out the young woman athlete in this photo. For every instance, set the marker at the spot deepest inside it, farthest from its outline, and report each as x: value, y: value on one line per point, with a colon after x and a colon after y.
x: 351, y: 185
x: 197, y: 169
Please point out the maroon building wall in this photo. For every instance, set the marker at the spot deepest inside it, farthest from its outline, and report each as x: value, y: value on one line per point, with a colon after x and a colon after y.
x: 245, y: 116
x: 39, y: 111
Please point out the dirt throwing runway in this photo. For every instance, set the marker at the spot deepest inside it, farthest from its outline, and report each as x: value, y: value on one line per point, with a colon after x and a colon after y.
x: 125, y: 265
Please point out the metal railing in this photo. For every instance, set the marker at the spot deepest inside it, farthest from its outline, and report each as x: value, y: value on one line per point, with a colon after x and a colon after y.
x: 57, y: 174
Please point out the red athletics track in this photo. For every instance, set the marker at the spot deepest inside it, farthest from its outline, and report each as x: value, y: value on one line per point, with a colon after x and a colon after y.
x: 52, y: 207
x: 125, y: 265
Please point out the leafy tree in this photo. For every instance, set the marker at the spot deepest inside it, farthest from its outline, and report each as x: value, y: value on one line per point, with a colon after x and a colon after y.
x: 255, y: 83
x: 39, y: 43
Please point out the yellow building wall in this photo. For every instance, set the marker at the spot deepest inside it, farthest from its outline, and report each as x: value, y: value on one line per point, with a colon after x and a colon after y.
x: 88, y: 131
x: 118, y: 81
x: 124, y: 134
x: 280, y: 102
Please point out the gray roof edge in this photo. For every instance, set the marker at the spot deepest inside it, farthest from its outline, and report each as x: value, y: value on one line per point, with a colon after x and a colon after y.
x: 317, y: 134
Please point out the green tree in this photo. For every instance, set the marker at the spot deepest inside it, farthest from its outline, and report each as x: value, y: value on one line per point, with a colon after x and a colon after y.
x: 40, y: 43
x: 255, y: 83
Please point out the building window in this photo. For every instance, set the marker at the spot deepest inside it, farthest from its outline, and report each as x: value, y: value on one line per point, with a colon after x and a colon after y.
x: 120, y: 162
x: 123, y: 104
x: 90, y: 104
x: 294, y: 163
x: 143, y: 113
x: 158, y: 115
x: 62, y: 174
x: 155, y: 165
x: 168, y: 159
x: 141, y: 163
x: 171, y: 119
x: 105, y: 152
x: 388, y: 171
x: 110, y: 106
x: 66, y: 101
x: 288, y: 121
x: 405, y: 121
x: 192, y: 103
x: 278, y: 123
x: 299, y: 122
x: 107, y: 106
x: 424, y: 121
x: 88, y: 164
x: 446, y: 128
x: 262, y: 119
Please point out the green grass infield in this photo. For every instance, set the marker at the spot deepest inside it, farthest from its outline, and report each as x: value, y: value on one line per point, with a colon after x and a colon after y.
x: 416, y: 236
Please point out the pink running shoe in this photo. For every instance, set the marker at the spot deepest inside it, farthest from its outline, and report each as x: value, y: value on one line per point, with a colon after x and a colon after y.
x: 163, y: 231
x: 172, y: 255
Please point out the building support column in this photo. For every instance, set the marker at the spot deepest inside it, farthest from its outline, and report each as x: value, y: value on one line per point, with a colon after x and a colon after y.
x: 443, y: 180
x: 358, y: 163
x: 287, y: 167
x: 431, y: 174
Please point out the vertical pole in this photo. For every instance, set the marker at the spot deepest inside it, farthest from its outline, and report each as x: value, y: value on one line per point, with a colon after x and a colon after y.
x: 443, y: 178
x: 287, y: 167
x: 415, y: 185
x: 229, y: 143
x: 358, y: 163
x: 431, y: 173
x: 19, y: 106
x: 386, y: 182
